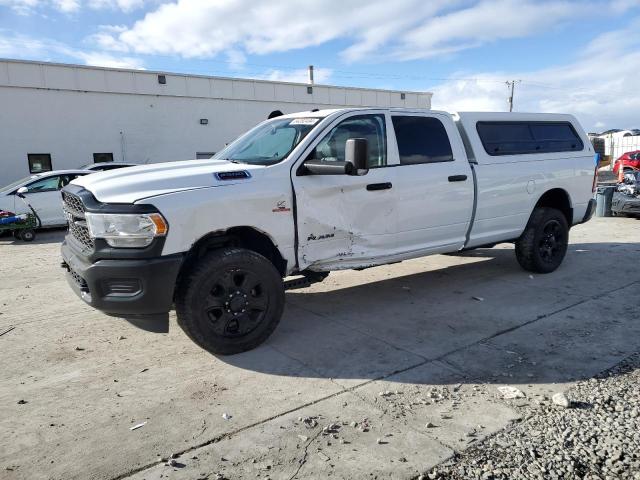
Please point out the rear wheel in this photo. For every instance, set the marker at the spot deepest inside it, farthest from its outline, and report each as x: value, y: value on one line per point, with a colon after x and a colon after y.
x: 230, y: 301
x: 543, y: 244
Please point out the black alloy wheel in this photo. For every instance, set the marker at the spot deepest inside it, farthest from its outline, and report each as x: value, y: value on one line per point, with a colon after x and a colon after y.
x: 230, y: 300
x: 553, y: 242
x: 236, y: 303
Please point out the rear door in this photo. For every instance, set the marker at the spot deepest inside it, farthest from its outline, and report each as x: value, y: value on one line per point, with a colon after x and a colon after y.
x: 434, y: 183
x: 346, y: 221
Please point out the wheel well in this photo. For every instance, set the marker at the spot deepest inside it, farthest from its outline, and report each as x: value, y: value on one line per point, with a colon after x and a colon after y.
x: 559, y: 199
x: 243, y: 237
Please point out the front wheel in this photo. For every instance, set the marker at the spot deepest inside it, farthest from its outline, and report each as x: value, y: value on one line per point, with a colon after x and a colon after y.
x: 230, y: 301
x: 543, y: 244
x: 28, y: 235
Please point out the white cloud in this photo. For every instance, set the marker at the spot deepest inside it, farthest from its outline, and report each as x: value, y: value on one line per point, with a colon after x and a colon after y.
x: 27, y: 7
x: 205, y: 28
x: 481, y: 23
x: 29, y: 48
x: 236, y: 59
x: 23, y: 7
x: 67, y: 6
x: 124, y: 5
x: 301, y: 75
x: 101, y: 59
x: 403, y: 30
x: 599, y: 87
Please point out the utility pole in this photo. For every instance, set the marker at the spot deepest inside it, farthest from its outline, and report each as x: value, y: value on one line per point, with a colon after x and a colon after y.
x: 512, y: 85
x: 310, y: 74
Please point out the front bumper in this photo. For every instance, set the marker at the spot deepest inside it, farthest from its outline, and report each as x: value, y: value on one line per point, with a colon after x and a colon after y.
x: 123, y: 286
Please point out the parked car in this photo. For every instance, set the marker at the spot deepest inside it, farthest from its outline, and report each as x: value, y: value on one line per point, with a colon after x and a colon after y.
x: 308, y: 193
x: 42, y: 193
x: 104, y: 166
x: 630, y: 161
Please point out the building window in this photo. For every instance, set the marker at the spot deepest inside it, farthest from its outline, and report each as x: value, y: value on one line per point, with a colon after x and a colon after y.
x: 204, y: 155
x: 39, y: 162
x: 102, y: 157
x: 514, y: 138
x: 421, y: 140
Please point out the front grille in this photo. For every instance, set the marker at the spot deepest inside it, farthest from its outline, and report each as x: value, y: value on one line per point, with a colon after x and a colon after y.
x: 80, y: 232
x: 73, y: 205
x: 74, y: 209
x: 79, y: 280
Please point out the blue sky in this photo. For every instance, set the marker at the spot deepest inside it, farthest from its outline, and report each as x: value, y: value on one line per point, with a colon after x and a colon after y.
x: 581, y: 57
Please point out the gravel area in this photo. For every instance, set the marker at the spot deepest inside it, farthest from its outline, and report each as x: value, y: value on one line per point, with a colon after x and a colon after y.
x: 596, y: 437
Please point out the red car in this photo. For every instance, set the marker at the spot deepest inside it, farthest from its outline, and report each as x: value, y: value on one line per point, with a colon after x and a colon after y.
x: 630, y: 160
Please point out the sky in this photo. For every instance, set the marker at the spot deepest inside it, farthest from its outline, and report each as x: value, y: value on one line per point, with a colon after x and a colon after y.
x: 579, y: 57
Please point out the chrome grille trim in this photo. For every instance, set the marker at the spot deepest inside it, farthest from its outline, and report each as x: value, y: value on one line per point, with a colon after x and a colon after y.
x: 73, y: 205
x: 74, y: 210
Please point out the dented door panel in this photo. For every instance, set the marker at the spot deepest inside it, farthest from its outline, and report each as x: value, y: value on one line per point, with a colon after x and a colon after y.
x: 341, y: 222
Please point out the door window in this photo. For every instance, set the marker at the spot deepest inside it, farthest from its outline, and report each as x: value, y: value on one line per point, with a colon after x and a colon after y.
x: 421, y: 140
x: 48, y: 184
x: 370, y: 127
x: 66, y: 179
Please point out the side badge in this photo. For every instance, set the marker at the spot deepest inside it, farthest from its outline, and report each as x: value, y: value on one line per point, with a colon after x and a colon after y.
x: 281, y: 206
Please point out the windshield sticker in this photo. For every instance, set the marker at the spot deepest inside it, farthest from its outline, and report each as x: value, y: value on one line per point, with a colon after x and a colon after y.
x: 304, y: 121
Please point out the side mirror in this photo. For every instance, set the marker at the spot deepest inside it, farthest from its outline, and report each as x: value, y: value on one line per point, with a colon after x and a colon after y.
x: 356, y: 152
x: 21, y: 191
x: 324, y: 167
x: 356, y: 155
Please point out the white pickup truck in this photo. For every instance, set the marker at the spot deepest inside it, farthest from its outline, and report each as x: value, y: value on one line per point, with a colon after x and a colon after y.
x: 312, y: 192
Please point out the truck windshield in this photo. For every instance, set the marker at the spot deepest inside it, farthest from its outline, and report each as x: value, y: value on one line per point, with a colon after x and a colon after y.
x: 268, y: 143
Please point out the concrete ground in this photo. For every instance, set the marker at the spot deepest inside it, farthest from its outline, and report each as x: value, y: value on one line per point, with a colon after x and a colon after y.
x: 382, y: 373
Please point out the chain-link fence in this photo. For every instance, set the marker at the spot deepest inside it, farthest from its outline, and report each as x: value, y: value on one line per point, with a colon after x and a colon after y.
x: 611, y: 147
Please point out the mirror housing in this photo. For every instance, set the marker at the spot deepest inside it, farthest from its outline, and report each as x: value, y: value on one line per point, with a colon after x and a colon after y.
x: 320, y: 167
x: 356, y: 152
x: 21, y: 191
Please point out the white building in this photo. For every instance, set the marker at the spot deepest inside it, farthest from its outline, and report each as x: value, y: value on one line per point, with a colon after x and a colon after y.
x: 55, y: 116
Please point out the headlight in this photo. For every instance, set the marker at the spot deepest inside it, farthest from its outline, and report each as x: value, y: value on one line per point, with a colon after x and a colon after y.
x: 126, y: 230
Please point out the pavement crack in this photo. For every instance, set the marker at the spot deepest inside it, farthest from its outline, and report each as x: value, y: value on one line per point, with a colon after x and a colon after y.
x: 303, y: 460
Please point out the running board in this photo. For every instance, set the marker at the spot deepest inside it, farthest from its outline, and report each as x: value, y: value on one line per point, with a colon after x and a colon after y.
x: 302, y: 282
x: 307, y: 279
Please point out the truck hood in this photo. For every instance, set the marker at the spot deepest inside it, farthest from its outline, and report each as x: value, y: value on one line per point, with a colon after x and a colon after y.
x: 131, y: 184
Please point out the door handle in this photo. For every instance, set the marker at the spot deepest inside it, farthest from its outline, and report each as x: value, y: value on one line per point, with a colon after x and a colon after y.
x: 379, y: 186
x: 457, y: 178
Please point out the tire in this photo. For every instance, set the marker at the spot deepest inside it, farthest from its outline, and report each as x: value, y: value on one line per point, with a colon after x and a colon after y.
x: 28, y: 235
x: 543, y: 244
x: 230, y: 301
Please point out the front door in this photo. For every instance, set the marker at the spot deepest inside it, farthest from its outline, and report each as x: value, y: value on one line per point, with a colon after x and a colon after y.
x: 347, y: 221
x: 45, y: 198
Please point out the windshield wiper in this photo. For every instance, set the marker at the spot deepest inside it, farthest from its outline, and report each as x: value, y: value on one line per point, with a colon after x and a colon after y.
x: 231, y: 161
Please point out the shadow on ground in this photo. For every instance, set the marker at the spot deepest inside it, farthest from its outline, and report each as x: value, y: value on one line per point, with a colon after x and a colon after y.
x: 485, y: 317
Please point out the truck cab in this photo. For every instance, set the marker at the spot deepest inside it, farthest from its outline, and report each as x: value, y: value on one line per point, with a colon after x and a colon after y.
x: 313, y: 192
